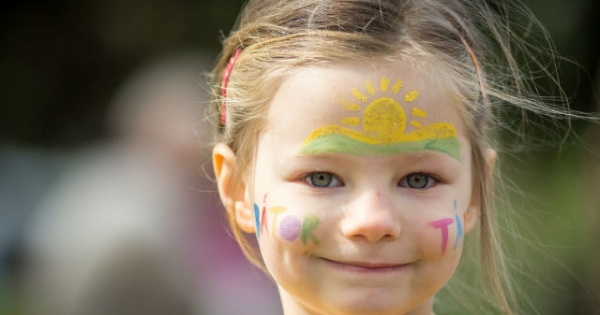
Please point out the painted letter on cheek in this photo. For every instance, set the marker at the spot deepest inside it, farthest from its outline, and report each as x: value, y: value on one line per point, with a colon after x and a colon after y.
x: 460, y: 230
x: 443, y: 225
x: 263, y: 220
x: 309, y: 224
x: 289, y: 228
x: 257, y: 220
x: 459, y: 226
x: 276, y: 210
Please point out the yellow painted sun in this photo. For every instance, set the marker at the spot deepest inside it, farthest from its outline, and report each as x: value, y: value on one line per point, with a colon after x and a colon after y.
x: 382, y: 127
x: 384, y: 119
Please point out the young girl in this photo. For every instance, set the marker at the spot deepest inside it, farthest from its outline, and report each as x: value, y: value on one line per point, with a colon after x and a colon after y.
x: 354, y: 143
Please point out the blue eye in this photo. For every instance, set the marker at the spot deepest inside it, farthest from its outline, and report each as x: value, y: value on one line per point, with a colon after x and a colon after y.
x: 322, y: 179
x: 417, y: 181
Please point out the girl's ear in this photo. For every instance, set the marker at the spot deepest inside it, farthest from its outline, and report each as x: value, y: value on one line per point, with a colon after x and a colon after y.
x: 235, y: 197
x: 474, y: 210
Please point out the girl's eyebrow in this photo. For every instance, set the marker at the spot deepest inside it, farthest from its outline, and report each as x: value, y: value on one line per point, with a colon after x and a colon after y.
x: 311, y: 157
x: 309, y: 160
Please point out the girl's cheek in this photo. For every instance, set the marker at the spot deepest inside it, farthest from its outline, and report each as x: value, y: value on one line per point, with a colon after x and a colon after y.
x: 293, y: 229
x: 444, y: 234
x: 284, y: 224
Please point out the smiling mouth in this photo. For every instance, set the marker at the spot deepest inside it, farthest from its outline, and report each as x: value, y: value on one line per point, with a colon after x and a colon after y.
x: 365, y: 267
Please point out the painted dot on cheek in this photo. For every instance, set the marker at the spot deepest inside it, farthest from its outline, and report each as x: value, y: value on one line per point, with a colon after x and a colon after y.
x: 289, y: 228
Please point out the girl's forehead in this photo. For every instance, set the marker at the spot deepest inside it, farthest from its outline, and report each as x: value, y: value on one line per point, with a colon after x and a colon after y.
x: 363, y: 110
x: 354, y: 93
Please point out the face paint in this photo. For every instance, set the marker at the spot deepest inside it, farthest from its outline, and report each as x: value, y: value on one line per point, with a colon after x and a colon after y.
x: 275, y: 210
x: 289, y: 228
x: 260, y: 223
x: 459, y: 227
x: 460, y: 230
x: 263, y: 220
x: 411, y: 96
x: 257, y: 220
x: 443, y: 225
x: 309, y: 224
x: 383, y: 124
x: 417, y: 112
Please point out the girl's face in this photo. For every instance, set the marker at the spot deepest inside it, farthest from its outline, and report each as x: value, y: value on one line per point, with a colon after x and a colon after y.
x: 362, y: 190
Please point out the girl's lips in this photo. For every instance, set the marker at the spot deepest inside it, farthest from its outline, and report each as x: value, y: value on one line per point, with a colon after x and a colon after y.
x: 365, y: 266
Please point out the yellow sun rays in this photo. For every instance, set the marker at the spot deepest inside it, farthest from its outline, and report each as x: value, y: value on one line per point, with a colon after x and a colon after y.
x: 417, y: 112
x: 371, y: 90
x: 351, y: 121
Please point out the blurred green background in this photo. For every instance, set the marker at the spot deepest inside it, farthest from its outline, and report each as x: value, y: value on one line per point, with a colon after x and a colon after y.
x: 61, y: 62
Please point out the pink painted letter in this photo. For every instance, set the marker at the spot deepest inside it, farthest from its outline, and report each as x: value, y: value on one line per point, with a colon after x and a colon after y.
x: 443, y: 225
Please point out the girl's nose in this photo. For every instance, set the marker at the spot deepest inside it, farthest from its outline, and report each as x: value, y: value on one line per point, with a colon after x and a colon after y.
x: 371, y: 216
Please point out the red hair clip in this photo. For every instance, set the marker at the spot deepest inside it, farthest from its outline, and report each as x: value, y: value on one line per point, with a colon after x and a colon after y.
x: 232, y: 60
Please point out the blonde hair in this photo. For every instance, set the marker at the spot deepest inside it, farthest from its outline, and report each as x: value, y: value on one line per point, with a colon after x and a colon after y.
x: 471, y: 43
